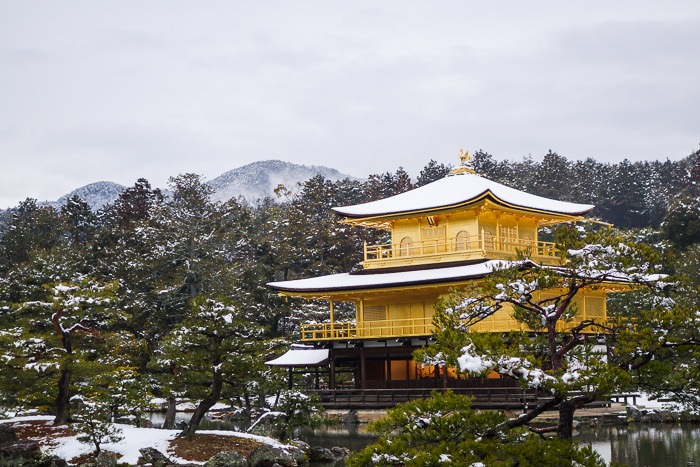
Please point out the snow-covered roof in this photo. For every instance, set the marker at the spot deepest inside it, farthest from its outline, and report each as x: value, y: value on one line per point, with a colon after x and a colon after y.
x: 455, y: 190
x: 381, y: 279
x: 300, y: 357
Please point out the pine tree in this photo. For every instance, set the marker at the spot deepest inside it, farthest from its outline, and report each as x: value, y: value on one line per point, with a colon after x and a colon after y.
x: 559, y: 358
x: 444, y: 430
x: 431, y: 172
x: 79, y: 220
x: 31, y: 228
x: 216, y: 343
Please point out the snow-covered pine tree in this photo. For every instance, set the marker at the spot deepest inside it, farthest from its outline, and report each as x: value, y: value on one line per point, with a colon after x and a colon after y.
x: 431, y: 172
x: 565, y: 362
x: 214, y: 345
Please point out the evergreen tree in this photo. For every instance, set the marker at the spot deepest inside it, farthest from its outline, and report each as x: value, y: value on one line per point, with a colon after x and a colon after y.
x: 444, y: 430
x: 214, y: 344
x: 553, y: 177
x: 31, y: 228
x: 559, y: 358
x: 79, y: 220
x: 136, y: 203
x: 387, y: 184
x: 433, y: 171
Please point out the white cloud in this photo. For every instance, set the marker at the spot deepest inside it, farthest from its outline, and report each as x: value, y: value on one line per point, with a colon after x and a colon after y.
x: 130, y: 89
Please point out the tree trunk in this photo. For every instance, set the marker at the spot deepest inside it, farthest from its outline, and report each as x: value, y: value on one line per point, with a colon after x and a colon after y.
x: 63, y: 386
x: 204, y: 407
x: 566, y: 419
x: 169, y: 422
x: 63, y: 396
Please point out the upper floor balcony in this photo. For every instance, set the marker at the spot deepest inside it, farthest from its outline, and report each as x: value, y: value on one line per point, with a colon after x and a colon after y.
x: 461, y: 247
x: 421, y: 327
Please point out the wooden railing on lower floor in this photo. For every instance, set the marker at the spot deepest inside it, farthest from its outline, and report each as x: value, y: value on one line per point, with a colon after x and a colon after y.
x: 483, y: 397
x: 496, y: 398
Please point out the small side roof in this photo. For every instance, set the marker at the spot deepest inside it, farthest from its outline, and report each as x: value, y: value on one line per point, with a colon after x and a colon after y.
x: 301, y: 355
x: 458, y: 190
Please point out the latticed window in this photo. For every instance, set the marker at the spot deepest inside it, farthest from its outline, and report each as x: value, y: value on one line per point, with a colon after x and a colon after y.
x: 488, y: 239
x: 462, y: 241
x: 508, y: 238
x: 434, y: 239
x: 406, y: 246
x: 375, y: 313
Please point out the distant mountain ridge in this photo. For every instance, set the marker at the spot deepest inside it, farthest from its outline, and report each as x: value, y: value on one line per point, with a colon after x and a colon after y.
x: 95, y: 194
x: 250, y: 182
x: 259, y: 179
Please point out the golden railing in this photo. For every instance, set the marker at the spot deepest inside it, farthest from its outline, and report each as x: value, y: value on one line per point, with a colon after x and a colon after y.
x: 328, y: 331
x: 371, y: 329
x: 416, y: 327
x: 468, y: 244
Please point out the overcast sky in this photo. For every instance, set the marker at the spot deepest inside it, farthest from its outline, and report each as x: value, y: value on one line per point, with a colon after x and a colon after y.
x: 119, y: 90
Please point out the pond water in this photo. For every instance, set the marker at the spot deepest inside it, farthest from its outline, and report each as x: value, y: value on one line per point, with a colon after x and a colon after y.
x: 646, y: 445
x: 632, y: 445
x: 635, y: 445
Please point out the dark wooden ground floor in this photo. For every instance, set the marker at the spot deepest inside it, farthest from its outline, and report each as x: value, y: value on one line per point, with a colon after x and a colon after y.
x: 381, y: 374
x: 373, y: 375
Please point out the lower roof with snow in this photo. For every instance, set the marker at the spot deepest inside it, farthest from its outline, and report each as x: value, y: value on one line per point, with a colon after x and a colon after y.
x: 457, y: 190
x: 301, y: 355
x: 386, y: 279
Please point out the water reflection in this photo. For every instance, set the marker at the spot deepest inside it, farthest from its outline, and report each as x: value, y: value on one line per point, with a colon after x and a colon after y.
x: 634, y: 445
x: 351, y: 436
x: 643, y: 445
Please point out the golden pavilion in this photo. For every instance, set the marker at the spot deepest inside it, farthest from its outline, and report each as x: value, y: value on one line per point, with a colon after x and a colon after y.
x: 444, y: 235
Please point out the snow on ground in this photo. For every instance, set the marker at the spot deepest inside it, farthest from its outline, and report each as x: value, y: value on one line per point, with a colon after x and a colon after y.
x: 133, y: 439
x: 186, y: 406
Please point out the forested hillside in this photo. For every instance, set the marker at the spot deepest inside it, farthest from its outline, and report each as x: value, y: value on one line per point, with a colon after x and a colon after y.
x: 156, y: 284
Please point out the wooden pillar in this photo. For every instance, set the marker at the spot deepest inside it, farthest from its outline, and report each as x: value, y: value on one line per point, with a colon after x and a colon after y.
x: 363, y: 369
x: 291, y: 378
x: 331, y: 373
x: 317, y: 378
x: 388, y: 368
x: 444, y: 377
x: 361, y: 318
x: 498, y: 233
x: 332, y: 333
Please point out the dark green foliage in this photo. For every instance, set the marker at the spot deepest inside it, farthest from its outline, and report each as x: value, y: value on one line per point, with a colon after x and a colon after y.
x: 387, y: 184
x: 135, y: 204
x: 681, y: 225
x: 298, y: 410
x: 216, y: 343
x: 80, y: 222
x: 93, y: 424
x: 432, y: 172
x: 31, y: 228
x: 626, y: 194
x: 444, y: 430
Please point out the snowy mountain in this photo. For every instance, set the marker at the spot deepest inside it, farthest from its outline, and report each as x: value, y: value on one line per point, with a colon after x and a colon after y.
x: 251, y: 182
x: 259, y: 179
x: 95, y: 194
